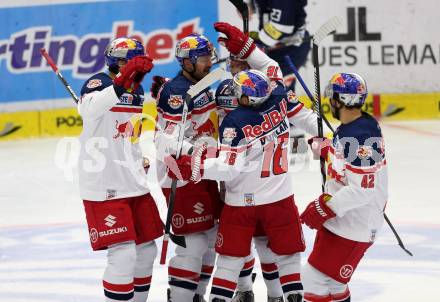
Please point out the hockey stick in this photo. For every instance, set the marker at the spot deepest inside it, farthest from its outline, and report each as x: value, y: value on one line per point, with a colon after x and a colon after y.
x: 207, y: 81
x: 58, y: 73
x: 306, y: 89
x: 244, y: 11
x: 399, y: 241
x: 329, y: 27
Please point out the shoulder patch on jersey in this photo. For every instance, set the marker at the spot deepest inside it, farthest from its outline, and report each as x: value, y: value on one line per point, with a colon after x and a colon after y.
x: 229, y: 134
x: 93, y: 83
x: 175, y: 101
x: 292, y: 98
x: 364, y: 152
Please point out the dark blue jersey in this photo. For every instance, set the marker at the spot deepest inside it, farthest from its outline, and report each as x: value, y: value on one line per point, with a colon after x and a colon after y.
x: 170, y: 107
x: 286, y: 13
x: 252, y: 123
x: 360, y: 142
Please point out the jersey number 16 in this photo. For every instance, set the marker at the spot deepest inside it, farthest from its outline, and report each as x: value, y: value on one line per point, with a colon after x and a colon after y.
x: 275, y: 157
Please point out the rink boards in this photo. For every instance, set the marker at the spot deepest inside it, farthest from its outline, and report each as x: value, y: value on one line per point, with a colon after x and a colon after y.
x: 67, y: 122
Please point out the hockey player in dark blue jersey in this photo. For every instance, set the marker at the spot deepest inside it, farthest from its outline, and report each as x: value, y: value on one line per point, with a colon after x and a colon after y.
x: 196, y: 205
x: 282, y: 29
x: 349, y: 214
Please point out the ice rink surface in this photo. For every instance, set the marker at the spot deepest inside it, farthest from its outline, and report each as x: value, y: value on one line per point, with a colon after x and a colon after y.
x: 45, y: 254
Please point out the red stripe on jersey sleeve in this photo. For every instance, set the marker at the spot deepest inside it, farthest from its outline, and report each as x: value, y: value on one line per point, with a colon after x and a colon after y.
x: 295, y: 110
x: 126, y: 109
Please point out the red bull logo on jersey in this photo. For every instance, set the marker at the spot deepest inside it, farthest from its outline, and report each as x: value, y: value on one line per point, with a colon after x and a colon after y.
x: 123, y: 129
x: 364, y: 152
x: 270, y: 121
x: 229, y: 134
x: 130, y: 129
x: 175, y: 101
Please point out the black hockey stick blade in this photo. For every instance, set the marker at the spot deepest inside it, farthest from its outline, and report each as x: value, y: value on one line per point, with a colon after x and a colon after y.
x: 396, y: 235
x: 178, y: 239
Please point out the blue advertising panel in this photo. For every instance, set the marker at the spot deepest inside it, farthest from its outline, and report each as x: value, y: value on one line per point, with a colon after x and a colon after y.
x: 76, y: 34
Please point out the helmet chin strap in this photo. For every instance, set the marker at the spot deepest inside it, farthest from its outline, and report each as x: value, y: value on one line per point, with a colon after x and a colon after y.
x: 192, y: 72
x: 114, y: 69
x: 336, y: 112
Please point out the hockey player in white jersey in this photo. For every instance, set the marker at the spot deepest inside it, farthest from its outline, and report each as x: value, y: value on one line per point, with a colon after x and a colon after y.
x: 298, y: 115
x: 349, y: 214
x: 253, y: 163
x: 122, y: 216
x: 196, y: 206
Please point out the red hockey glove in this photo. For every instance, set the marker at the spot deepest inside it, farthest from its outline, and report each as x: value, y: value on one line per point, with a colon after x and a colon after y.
x: 238, y: 43
x: 179, y: 168
x: 187, y: 167
x: 157, y: 84
x: 317, y: 212
x: 319, y: 146
x: 132, y: 73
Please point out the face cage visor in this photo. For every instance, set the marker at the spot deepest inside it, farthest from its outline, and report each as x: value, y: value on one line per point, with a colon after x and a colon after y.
x: 347, y: 99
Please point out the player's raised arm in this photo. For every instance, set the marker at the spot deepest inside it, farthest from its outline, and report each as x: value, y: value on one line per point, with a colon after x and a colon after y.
x: 127, y: 68
x: 240, y: 45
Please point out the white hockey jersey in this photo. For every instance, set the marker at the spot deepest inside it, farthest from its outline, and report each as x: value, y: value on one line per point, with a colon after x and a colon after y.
x: 110, y: 162
x: 253, y: 152
x: 357, y: 178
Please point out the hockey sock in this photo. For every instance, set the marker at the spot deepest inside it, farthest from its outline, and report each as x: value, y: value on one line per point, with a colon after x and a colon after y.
x: 208, y: 262
x: 205, y: 276
x: 222, y: 289
x: 118, y: 292
x: 245, y: 278
x: 118, y: 275
x: 225, y: 277
x: 289, y: 271
x: 183, y: 283
x: 308, y: 297
x: 146, y: 253
x: 141, y: 288
x: 271, y: 278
